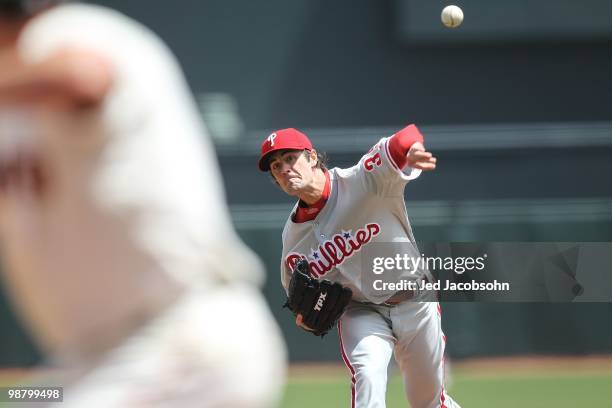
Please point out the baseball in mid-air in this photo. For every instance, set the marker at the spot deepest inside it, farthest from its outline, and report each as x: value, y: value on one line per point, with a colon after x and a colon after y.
x: 452, y: 16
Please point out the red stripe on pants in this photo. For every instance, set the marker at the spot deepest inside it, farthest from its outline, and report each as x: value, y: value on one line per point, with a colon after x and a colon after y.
x: 348, y: 364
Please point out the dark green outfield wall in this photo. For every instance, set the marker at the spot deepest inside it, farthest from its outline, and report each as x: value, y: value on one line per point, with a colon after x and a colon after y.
x: 519, y: 115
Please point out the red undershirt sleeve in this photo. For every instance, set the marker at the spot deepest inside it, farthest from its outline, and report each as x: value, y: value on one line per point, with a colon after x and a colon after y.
x: 401, y: 142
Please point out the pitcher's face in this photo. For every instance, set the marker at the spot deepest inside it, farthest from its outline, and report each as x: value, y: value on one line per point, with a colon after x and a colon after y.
x: 293, y: 170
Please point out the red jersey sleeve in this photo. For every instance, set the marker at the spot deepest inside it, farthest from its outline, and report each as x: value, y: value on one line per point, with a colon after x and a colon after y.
x: 401, y: 142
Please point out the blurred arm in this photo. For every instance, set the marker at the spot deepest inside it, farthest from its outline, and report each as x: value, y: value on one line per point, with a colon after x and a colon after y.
x: 72, y: 77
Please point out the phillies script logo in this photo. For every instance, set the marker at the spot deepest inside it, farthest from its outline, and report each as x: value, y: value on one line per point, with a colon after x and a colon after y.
x: 336, y: 250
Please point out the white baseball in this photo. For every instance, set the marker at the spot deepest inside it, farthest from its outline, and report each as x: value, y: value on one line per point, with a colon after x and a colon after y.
x: 452, y: 16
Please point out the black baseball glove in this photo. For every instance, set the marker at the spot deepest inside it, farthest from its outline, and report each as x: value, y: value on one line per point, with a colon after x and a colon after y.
x: 320, y: 302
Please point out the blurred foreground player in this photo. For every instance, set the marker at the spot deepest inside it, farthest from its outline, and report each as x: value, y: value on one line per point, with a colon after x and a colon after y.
x: 117, y: 247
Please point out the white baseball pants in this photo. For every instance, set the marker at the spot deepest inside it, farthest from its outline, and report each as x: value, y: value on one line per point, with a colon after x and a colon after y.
x: 369, y: 334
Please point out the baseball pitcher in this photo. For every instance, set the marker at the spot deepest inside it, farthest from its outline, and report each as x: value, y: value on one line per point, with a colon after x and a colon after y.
x: 339, y: 215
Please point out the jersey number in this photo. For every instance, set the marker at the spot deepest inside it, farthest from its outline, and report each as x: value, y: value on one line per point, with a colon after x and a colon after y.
x: 372, y: 161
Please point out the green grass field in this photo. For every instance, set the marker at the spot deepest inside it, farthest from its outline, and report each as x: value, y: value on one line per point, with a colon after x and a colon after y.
x: 490, y: 383
x: 558, y: 386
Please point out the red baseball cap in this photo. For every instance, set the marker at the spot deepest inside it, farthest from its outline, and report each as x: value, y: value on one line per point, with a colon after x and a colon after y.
x: 282, y: 139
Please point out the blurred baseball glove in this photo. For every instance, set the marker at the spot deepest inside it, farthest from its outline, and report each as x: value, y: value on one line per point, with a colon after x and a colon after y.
x: 320, y: 302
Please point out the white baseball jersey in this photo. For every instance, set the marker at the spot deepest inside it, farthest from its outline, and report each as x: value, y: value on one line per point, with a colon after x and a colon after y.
x: 133, y: 210
x: 365, y: 207
x: 366, y: 210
